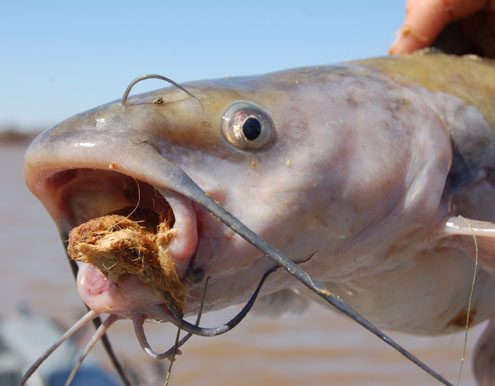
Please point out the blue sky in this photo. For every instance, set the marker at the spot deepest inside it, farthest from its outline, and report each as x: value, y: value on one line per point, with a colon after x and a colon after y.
x: 59, y: 58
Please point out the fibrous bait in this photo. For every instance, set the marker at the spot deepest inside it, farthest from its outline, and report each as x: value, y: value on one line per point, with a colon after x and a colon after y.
x: 117, y: 246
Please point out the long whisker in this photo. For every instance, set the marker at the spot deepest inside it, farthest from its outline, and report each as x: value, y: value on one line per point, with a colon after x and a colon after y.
x: 139, y: 330
x: 97, y: 321
x: 96, y: 336
x: 75, y: 327
x: 195, y: 193
x: 174, y: 353
x: 214, y: 331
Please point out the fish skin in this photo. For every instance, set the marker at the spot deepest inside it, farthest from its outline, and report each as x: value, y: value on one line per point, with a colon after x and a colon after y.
x: 470, y: 77
x: 365, y: 213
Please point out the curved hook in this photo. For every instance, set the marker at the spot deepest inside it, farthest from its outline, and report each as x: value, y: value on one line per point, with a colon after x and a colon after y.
x: 214, y: 331
x: 139, y: 330
x: 154, y: 76
x: 195, y: 193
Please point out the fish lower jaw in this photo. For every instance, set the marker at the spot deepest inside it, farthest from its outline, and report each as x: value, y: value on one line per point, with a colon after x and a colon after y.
x: 127, y: 299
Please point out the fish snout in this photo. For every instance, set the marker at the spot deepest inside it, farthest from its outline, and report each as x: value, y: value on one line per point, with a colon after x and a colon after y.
x: 80, y: 179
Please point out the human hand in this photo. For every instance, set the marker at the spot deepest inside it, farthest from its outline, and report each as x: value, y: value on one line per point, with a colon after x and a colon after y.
x: 470, y: 27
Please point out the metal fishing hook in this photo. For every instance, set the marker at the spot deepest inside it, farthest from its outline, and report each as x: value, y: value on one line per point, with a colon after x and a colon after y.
x: 195, y: 193
x: 123, y: 102
x: 139, y: 331
x: 177, y: 319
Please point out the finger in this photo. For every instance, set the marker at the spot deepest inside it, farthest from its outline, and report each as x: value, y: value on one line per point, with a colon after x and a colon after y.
x: 425, y: 19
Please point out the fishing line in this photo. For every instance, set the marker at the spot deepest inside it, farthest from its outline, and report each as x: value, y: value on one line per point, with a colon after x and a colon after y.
x: 165, y: 312
x: 137, y: 203
x: 468, y: 314
x: 139, y: 331
x: 176, y: 348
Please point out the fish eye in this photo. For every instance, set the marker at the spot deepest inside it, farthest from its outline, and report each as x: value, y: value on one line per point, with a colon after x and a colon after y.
x: 247, y: 126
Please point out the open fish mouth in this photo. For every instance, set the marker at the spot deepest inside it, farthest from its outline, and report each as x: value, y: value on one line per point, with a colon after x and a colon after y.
x: 87, y: 194
x: 81, y: 195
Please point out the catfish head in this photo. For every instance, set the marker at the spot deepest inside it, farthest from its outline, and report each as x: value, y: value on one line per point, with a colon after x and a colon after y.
x: 296, y: 156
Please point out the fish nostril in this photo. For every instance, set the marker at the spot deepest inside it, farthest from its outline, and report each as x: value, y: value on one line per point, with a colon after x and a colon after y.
x: 195, y: 275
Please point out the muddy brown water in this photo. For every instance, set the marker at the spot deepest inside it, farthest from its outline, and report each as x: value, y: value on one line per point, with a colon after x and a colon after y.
x: 315, y: 348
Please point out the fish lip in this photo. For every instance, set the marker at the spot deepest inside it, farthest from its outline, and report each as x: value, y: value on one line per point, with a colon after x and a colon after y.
x: 130, y: 298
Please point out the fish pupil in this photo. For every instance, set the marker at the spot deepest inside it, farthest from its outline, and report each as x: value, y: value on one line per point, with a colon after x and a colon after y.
x: 251, y: 128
